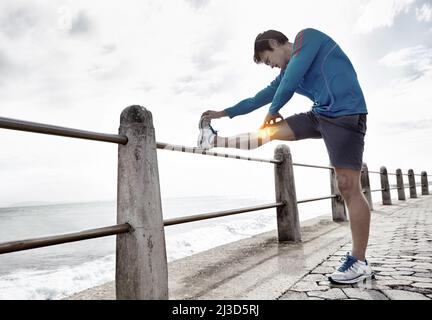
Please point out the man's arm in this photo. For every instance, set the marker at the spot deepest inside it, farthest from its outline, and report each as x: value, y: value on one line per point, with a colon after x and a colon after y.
x: 262, y: 98
x: 306, y: 47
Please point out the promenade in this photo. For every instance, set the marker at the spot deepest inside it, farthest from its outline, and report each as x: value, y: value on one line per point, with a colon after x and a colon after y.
x: 400, y: 252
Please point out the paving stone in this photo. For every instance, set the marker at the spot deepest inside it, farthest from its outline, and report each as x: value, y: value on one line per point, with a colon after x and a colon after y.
x: 323, y: 270
x: 364, y: 294
x: 315, y: 278
x: 381, y: 277
x: 424, y: 266
x: 332, y: 264
x: 334, y: 258
x: 324, y: 283
x: 333, y: 294
x: 404, y: 295
x: 412, y: 269
x: 394, y: 261
x: 410, y: 278
x: 393, y: 282
x: 395, y: 273
x: 401, y: 264
x: 383, y: 269
x: 293, y: 295
x: 373, y: 285
x: 423, y: 285
x: 423, y: 274
x: 304, y: 286
x: 419, y: 258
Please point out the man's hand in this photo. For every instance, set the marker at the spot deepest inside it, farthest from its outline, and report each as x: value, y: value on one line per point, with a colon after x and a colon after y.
x: 210, y: 115
x: 270, y: 120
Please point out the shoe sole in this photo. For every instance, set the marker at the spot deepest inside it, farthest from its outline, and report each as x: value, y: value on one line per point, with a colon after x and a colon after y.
x: 200, y: 138
x: 352, y: 281
x: 201, y: 124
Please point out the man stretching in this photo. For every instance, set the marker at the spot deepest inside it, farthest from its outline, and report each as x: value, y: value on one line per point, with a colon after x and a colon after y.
x: 316, y: 67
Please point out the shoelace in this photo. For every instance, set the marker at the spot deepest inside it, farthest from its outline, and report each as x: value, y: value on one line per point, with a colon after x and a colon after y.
x: 348, y: 262
x: 213, y: 130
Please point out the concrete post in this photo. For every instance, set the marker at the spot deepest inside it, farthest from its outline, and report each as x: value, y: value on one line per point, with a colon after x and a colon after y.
x: 386, y: 195
x: 401, y: 185
x: 365, y: 184
x: 425, y: 183
x: 141, y: 263
x: 412, y: 184
x: 338, y: 204
x: 287, y: 216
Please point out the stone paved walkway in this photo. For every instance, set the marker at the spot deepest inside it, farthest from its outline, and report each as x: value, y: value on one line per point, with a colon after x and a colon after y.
x: 399, y: 251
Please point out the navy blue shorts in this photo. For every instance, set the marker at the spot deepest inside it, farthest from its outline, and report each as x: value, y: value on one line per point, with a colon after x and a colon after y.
x: 343, y: 136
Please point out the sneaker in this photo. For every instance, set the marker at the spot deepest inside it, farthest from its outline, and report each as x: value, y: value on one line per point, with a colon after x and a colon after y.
x: 351, y: 271
x: 206, y: 136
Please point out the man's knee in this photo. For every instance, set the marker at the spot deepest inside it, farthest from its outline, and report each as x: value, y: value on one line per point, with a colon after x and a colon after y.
x: 348, y: 182
x: 282, y: 131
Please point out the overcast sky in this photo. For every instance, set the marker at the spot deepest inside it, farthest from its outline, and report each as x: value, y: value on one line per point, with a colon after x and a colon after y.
x: 80, y: 63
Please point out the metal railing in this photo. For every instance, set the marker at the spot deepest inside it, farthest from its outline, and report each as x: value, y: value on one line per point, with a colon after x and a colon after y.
x: 139, y: 217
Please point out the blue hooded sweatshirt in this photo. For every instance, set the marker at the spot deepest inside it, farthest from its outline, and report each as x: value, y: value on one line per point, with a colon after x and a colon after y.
x: 319, y: 70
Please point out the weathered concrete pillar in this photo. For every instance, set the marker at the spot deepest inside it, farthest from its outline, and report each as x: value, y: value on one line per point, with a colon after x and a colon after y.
x: 425, y: 183
x: 386, y: 195
x: 338, y: 203
x: 412, y: 183
x: 400, y: 185
x: 365, y: 184
x: 287, y: 216
x: 141, y: 262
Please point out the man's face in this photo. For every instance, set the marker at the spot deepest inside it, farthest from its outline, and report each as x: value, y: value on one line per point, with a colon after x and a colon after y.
x: 278, y: 58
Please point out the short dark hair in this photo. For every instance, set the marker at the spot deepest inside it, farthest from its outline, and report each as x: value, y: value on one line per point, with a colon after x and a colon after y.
x: 262, y: 42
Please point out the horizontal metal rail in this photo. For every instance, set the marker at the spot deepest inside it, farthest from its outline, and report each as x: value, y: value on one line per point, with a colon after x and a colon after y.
x: 20, y: 125
x: 374, y: 172
x: 377, y: 190
x: 312, y: 166
x: 318, y: 199
x: 211, y: 215
x: 394, y: 188
x: 388, y: 173
x: 65, y: 238
x: 184, y: 149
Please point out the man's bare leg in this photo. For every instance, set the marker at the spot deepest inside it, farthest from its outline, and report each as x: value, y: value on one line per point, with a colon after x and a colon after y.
x: 358, y: 208
x: 253, y: 140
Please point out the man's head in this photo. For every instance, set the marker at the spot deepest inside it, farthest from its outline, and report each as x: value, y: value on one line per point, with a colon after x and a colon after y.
x: 273, y: 49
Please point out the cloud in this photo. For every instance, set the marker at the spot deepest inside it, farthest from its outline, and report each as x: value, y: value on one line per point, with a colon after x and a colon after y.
x: 73, y: 21
x: 413, y: 60
x: 424, y: 13
x: 108, y: 48
x: 425, y: 124
x: 198, y: 4
x: 15, y: 22
x: 382, y: 13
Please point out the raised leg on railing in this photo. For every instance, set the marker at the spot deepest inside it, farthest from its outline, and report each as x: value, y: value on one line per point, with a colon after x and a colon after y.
x: 400, y: 185
x: 338, y: 203
x: 141, y: 263
x: 385, y: 186
x: 425, y: 183
x: 365, y: 184
x: 412, y: 184
x: 287, y: 216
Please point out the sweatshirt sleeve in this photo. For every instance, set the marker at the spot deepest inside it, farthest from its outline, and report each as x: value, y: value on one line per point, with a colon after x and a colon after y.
x: 305, y: 49
x: 262, y: 98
